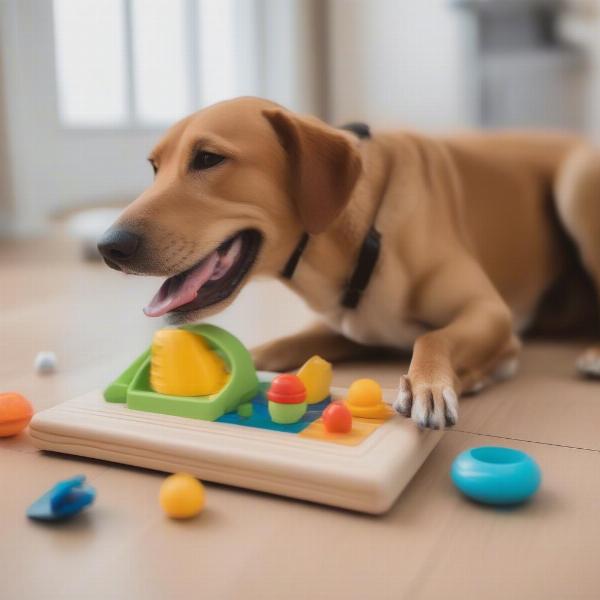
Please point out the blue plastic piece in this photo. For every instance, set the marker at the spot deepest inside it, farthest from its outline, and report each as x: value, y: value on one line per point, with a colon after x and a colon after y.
x: 64, y: 500
x: 496, y: 475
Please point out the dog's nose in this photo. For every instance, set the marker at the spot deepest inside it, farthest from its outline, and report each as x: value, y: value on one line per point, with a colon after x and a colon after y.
x: 118, y: 246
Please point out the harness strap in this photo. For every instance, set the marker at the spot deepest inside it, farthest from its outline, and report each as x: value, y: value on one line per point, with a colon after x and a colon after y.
x: 367, y: 257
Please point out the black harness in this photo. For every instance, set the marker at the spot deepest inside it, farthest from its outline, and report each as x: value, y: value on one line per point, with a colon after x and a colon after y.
x: 367, y: 257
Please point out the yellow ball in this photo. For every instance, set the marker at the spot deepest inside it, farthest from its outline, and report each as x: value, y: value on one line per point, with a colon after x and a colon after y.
x: 364, y: 392
x: 181, y: 496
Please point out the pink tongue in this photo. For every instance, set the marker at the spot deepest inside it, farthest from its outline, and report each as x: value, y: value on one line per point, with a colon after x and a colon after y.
x: 167, y: 299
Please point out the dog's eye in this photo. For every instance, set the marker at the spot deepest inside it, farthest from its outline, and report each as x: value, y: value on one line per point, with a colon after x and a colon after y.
x: 205, y: 160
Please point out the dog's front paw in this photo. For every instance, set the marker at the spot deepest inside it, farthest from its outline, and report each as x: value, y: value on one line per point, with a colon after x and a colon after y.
x: 431, y: 405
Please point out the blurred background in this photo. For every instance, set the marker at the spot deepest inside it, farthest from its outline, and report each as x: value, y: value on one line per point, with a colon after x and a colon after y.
x: 88, y: 86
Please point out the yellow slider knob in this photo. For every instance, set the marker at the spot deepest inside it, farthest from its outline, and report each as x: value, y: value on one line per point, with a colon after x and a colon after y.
x: 316, y: 374
x: 183, y: 364
x: 365, y: 399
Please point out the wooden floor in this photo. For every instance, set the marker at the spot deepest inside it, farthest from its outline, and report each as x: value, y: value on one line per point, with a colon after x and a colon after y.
x: 432, y: 544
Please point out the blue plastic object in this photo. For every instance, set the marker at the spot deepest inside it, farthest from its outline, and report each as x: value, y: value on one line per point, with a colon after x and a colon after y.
x: 496, y: 475
x: 64, y: 500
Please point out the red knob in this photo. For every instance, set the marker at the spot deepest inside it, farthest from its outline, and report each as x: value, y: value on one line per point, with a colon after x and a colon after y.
x: 337, y: 418
x: 287, y: 389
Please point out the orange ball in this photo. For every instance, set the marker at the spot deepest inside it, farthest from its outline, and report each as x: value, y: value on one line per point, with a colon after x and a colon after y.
x: 15, y: 413
x: 181, y: 496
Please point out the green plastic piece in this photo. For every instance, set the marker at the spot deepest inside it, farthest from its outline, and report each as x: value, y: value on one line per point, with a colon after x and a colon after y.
x: 133, y: 385
x: 286, y: 414
x: 245, y: 410
x: 117, y: 390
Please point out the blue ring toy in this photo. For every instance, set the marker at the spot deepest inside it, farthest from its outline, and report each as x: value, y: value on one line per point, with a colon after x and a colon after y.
x: 496, y: 475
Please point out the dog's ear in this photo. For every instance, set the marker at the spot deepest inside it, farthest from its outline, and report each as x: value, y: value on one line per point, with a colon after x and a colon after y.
x: 324, y: 167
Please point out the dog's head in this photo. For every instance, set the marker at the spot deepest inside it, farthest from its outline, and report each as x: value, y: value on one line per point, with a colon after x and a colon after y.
x: 236, y: 185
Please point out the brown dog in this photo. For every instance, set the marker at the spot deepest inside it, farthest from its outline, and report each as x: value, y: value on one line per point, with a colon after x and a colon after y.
x: 476, y: 231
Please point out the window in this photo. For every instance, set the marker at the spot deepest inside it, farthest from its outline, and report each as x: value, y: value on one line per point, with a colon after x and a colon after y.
x: 161, y: 88
x: 90, y: 70
x: 147, y: 63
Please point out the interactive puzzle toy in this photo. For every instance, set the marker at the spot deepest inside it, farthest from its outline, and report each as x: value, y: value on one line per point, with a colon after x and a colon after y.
x: 193, y: 402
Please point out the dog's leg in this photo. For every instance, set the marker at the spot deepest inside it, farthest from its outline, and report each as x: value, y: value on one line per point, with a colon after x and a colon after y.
x: 289, y: 352
x: 448, y: 361
x: 578, y: 206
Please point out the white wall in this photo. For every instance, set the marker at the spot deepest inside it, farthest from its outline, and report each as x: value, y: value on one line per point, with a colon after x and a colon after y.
x: 398, y: 62
x: 6, y: 183
x: 292, y: 54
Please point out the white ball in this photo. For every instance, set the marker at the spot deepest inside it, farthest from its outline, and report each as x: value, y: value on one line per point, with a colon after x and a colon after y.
x: 45, y: 363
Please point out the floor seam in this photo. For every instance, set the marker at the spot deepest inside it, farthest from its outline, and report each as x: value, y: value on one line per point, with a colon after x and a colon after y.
x: 516, y: 439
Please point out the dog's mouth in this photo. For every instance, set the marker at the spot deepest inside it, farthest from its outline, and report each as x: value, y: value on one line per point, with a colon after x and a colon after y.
x: 209, y: 281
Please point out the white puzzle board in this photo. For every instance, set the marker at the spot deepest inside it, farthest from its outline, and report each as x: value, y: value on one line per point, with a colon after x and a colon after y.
x: 367, y: 477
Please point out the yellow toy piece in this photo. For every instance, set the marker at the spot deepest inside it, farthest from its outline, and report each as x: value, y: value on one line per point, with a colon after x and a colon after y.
x: 316, y: 374
x: 181, y: 496
x: 184, y: 365
x: 365, y: 399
